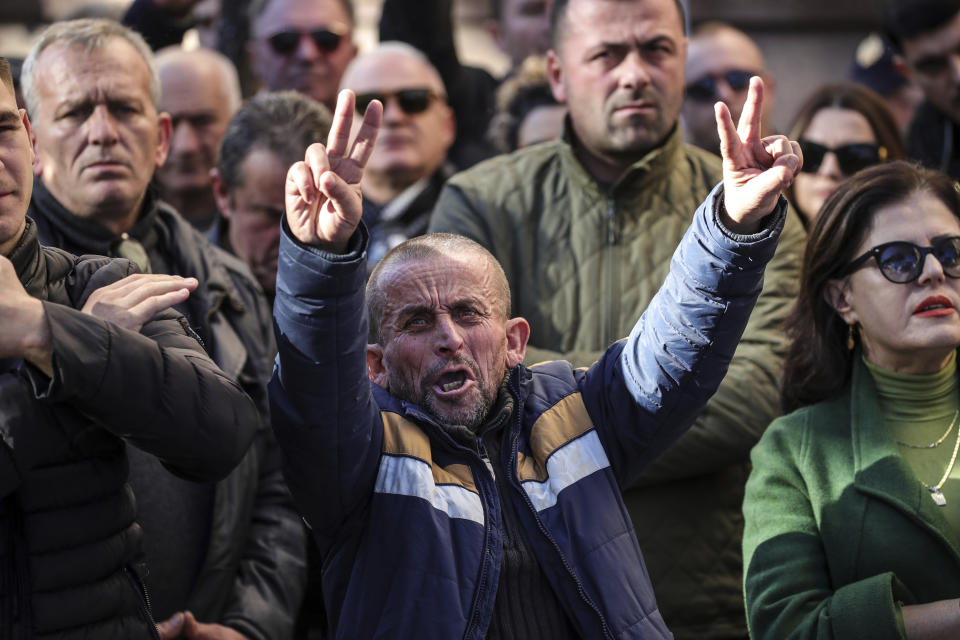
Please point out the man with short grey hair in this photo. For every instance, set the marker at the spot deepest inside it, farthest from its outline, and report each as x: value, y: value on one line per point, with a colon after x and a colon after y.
x: 201, y: 92
x: 228, y: 556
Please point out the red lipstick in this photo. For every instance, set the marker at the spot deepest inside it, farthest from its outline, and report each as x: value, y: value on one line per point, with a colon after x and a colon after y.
x: 934, y: 307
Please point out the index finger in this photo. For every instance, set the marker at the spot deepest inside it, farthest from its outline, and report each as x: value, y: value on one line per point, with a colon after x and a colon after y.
x: 749, y: 126
x: 729, y: 142
x: 339, y: 135
x: 367, y: 135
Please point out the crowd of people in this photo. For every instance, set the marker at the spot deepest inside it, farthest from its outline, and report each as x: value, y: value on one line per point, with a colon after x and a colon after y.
x: 304, y: 341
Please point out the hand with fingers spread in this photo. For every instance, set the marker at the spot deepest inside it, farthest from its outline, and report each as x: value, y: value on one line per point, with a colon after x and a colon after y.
x: 134, y: 300
x: 322, y: 192
x: 755, y: 169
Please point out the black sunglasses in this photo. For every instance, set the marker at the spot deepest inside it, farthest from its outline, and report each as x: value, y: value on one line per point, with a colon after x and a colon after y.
x: 902, y: 262
x: 286, y: 42
x: 411, y: 101
x: 705, y: 89
x: 850, y: 157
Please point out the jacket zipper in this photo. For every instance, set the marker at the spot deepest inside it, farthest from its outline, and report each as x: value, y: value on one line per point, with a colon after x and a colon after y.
x: 484, y: 562
x: 514, y: 450
x: 145, y: 608
x: 612, y: 307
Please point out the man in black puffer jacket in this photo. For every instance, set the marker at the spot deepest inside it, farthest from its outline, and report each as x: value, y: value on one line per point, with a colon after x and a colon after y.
x: 74, y: 389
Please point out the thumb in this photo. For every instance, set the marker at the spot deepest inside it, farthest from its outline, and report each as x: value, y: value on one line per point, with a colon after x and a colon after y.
x: 171, y: 628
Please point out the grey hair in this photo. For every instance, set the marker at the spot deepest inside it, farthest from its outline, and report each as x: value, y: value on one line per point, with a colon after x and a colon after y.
x: 228, y: 75
x: 282, y: 122
x: 90, y: 34
x: 391, y: 49
x: 424, y: 247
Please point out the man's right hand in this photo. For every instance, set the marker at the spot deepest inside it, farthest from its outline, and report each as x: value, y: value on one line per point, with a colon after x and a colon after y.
x: 132, y: 301
x: 322, y: 192
x: 24, y: 333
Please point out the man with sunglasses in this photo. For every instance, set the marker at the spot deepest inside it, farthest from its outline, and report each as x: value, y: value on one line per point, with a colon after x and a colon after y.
x: 720, y: 63
x: 585, y: 228
x: 408, y: 166
x: 926, y: 36
x: 304, y: 45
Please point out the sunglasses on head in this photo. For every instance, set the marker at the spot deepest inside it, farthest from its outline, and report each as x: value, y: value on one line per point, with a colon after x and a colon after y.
x: 410, y: 101
x: 286, y: 42
x: 850, y: 157
x: 705, y: 89
x: 902, y: 261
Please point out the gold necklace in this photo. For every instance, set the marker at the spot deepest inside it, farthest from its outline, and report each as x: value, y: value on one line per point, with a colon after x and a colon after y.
x: 937, y: 443
x: 935, y: 492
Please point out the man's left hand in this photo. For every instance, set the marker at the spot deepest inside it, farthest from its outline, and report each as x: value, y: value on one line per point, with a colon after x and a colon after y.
x: 755, y: 169
x: 184, y: 625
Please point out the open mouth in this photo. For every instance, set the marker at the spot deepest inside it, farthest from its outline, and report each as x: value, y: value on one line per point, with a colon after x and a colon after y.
x: 452, y: 380
x: 934, y: 306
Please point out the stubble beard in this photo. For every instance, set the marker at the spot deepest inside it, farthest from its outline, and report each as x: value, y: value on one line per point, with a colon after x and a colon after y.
x: 421, y: 393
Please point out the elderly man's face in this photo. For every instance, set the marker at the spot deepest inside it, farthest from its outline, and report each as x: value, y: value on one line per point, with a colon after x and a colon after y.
x: 304, y: 45
x: 933, y: 57
x: 447, y: 345
x: 16, y: 180
x: 416, y: 133
x: 195, y: 94
x: 99, y: 137
x: 619, y: 69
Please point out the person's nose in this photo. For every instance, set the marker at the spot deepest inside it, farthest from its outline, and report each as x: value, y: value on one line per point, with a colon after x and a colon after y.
x: 932, y: 271
x: 632, y: 71
x: 101, y: 126
x: 307, y: 49
x: 185, y: 139
x: 448, y: 337
x: 830, y: 166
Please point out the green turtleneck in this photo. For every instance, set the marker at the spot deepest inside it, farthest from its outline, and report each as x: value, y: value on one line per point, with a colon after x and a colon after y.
x: 918, y: 409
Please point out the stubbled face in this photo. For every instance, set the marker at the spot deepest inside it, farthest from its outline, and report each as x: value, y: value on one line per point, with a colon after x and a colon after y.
x: 194, y: 93
x: 99, y: 137
x: 934, y: 60
x: 254, y: 209
x: 16, y: 178
x: 714, y: 55
x: 913, y: 327
x: 619, y: 70
x: 410, y: 146
x: 832, y: 127
x: 308, y: 69
x: 523, y: 29
x: 446, y: 344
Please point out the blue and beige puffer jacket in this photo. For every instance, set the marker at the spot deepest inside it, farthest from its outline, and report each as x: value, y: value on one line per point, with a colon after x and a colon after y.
x: 409, y: 521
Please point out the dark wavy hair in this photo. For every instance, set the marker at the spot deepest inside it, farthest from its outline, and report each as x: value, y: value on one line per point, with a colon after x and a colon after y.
x: 818, y: 363
x: 855, y: 98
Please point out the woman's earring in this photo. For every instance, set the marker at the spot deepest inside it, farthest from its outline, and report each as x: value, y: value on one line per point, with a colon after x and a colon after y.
x: 850, y: 342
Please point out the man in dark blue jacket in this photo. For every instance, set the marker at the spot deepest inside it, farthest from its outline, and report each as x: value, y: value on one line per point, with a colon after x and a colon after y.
x: 461, y: 494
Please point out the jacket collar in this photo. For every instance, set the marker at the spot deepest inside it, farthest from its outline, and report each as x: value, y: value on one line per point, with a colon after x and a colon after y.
x: 880, y: 470
x: 28, y: 263
x: 656, y: 164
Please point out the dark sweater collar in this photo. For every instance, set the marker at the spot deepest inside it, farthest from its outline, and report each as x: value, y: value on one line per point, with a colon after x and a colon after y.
x: 89, y: 235
x: 27, y: 262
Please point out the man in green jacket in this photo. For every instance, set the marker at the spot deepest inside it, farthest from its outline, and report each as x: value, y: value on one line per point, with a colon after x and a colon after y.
x: 585, y: 228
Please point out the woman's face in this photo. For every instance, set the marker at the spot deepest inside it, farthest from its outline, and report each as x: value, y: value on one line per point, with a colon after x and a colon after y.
x: 911, y: 327
x: 831, y: 127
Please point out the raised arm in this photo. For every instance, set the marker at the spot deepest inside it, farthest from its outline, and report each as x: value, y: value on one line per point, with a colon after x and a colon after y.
x: 323, y: 413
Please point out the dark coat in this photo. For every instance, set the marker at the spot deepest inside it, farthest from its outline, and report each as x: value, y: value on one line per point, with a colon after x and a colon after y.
x: 256, y: 534
x: 69, y: 542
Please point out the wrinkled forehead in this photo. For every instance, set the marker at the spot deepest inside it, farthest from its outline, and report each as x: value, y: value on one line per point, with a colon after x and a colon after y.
x: 302, y: 15
x: 72, y: 72
x: 438, y: 283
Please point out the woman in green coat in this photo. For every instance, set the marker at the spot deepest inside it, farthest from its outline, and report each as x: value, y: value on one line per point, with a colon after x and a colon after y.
x: 852, y: 511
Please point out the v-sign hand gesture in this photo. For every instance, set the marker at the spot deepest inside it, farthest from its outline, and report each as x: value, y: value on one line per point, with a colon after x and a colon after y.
x: 755, y: 169
x: 322, y: 192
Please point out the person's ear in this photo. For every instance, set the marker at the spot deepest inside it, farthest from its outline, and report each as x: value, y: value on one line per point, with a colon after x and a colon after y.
x: 837, y: 295
x: 164, y: 131
x: 518, y: 333
x: 376, y: 367
x: 555, y: 76
x: 900, y: 64
x: 221, y: 194
x: 30, y: 137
